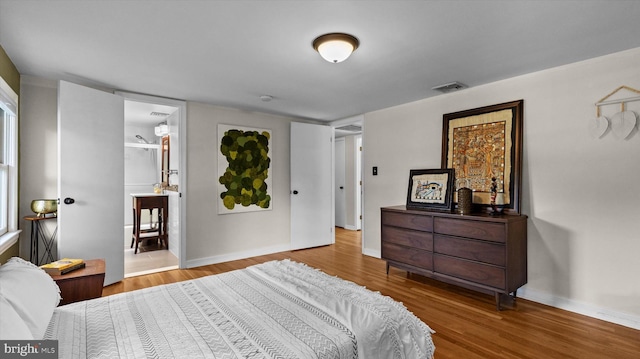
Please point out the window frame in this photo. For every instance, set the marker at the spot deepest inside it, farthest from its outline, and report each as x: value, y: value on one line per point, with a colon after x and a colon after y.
x: 9, y: 166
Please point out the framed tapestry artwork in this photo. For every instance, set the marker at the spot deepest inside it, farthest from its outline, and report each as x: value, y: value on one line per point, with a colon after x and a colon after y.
x: 244, y: 163
x: 484, y: 147
x: 430, y: 189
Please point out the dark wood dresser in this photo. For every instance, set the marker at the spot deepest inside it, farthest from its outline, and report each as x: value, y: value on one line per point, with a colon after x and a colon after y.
x: 478, y: 251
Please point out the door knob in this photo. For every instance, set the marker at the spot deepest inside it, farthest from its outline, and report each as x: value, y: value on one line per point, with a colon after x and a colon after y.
x: 69, y: 200
x: 295, y: 192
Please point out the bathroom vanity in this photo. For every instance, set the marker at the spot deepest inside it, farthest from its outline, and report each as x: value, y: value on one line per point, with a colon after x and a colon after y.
x: 150, y: 201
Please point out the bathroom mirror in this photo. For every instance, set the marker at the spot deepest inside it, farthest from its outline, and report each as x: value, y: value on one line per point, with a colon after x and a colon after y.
x: 165, y: 161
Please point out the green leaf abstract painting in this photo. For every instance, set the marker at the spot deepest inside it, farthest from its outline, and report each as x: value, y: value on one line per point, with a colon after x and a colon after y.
x: 244, y: 167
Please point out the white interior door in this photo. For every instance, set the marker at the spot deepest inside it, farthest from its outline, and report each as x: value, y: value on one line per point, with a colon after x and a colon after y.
x: 311, y: 185
x: 91, y: 176
x: 340, y: 181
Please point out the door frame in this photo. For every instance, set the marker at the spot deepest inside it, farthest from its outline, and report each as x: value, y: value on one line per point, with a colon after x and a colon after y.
x: 358, y: 180
x: 357, y: 120
x: 358, y: 187
x: 339, y: 194
x: 182, y: 166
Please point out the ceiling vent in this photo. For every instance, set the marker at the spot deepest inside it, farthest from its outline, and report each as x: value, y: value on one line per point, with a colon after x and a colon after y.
x: 161, y: 114
x: 450, y: 87
x: 350, y: 128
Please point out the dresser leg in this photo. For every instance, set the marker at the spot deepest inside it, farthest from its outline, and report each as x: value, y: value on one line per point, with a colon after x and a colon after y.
x: 387, y: 268
x: 505, y: 300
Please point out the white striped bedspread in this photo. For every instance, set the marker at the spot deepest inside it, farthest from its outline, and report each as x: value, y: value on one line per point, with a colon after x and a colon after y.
x: 278, y: 309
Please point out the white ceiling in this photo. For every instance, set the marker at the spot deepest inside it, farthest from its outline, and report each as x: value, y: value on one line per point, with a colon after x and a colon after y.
x: 229, y: 53
x: 143, y: 113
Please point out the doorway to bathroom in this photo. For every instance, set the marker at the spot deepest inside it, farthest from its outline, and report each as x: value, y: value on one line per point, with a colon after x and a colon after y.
x: 152, y: 160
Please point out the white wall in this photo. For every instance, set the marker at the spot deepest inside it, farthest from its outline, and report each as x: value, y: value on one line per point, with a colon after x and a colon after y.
x: 141, y: 168
x: 580, y: 193
x: 210, y: 237
x: 38, y: 154
x: 215, y: 238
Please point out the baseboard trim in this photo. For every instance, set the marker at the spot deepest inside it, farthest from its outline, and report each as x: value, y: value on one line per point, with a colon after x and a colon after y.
x: 372, y: 253
x: 590, y: 310
x: 237, y: 255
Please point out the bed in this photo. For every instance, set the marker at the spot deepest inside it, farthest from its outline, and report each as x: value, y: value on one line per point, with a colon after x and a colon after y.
x: 278, y: 309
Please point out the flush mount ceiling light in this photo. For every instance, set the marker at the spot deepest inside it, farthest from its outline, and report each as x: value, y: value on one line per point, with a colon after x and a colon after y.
x: 335, y: 47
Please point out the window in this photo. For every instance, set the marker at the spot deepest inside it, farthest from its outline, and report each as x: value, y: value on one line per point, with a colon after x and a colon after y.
x: 4, y: 174
x: 8, y: 166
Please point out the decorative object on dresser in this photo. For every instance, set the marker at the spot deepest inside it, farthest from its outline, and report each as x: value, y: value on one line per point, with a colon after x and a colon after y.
x: 465, y: 200
x: 495, y: 208
x: 483, y: 143
x: 465, y: 196
x: 431, y: 189
x: 481, y: 252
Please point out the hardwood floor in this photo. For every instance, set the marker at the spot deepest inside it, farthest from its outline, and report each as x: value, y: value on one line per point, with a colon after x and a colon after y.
x: 467, y: 324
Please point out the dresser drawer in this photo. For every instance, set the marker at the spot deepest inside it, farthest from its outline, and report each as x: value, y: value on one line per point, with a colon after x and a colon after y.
x: 487, y: 231
x: 417, y: 222
x: 476, y: 250
x: 407, y: 255
x: 473, y: 271
x: 407, y: 237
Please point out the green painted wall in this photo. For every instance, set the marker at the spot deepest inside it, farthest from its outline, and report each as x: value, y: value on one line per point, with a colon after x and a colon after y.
x: 10, y: 74
x: 13, y: 251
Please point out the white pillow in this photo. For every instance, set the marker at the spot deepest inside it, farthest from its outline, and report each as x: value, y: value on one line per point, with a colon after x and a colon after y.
x: 12, y: 327
x: 31, y: 292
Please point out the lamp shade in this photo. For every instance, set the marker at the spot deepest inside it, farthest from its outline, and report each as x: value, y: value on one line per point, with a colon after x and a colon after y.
x: 335, y: 47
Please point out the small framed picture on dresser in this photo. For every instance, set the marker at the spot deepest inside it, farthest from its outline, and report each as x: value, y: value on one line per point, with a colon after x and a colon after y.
x: 431, y: 189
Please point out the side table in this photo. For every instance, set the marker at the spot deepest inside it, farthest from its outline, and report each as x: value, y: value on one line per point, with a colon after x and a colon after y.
x: 38, y: 233
x: 81, y: 284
